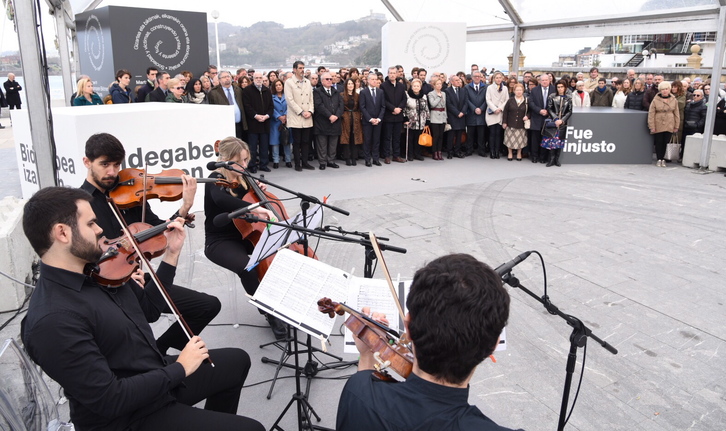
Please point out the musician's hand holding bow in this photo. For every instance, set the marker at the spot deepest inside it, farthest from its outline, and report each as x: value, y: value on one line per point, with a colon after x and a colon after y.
x: 366, y: 360
x: 194, y: 353
x: 263, y: 213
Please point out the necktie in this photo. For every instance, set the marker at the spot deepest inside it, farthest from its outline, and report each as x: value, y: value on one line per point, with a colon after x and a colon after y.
x: 544, y: 93
x: 476, y: 88
x: 456, y: 92
x: 229, y: 97
x: 374, y: 95
x: 328, y: 91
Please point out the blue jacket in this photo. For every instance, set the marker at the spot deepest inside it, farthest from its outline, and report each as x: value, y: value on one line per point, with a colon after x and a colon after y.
x: 82, y: 101
x: 476, y: 100
x: 120, y: 96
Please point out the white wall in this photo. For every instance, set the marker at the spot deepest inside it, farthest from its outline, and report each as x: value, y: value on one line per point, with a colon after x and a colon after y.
x: 436, y: 46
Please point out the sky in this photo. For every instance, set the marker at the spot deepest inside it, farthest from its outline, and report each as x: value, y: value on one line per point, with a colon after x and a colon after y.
x: 291, y: 15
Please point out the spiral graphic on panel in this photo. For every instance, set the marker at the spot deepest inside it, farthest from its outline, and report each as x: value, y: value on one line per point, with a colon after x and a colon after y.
x: 429, y: 46
x: 165, y: 41
x: 94, y: 45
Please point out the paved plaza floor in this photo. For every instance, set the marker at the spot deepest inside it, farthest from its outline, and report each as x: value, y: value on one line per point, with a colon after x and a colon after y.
x: 634, y: 251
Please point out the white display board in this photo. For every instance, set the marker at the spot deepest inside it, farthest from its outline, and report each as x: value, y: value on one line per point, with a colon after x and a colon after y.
x: 435, y: 46
x: 157, y: 136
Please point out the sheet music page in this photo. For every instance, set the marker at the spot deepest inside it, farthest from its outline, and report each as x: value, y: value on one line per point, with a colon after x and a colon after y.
x: 375, y: 293
x: 292, y: 287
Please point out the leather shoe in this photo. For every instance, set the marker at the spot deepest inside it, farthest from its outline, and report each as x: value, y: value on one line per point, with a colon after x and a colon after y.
x: 534, y: 159
x: 275, y: 165
x: 322, y: 167
x: 348, y: 163
x: 449, y: 155
x: 308, y: 166
x: 419, y: 158
x: 288, y: 164
x: 333, y: 165
x: 368, y: 163
x: 377, y: 162
x: 279, y: 328
x: 354, y: 163
x: 298, y: 168
x: 399, y: 160
x: 266, y: 169
x: 252, y: 170
x: 460, y: 155
x: 387, y: 160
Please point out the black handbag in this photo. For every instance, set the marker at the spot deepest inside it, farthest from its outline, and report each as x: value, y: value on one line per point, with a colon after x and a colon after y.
x: 284, y: 135
x: 550, y: 129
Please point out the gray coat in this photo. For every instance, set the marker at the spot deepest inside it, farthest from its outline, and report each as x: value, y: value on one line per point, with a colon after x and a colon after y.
x: 476, y: 99
x: 436, y: 103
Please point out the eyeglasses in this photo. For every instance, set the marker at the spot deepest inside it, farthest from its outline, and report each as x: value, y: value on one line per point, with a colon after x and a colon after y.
x: 179, y: 88
x: 327, y: 79
x: 697, y: 95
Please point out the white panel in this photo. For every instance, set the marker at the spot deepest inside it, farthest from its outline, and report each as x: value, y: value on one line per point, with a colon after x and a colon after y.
x: 436, y: 46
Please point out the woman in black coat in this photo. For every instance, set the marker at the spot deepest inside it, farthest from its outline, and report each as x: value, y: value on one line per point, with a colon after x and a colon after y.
x: 634, y: 100
x: 559, y: 106
x: 719, y: 127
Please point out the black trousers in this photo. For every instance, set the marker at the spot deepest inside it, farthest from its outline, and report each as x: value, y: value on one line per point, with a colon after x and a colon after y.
x: 371, y: 142
x: 219, y: 385
x: 454, y: 144
x: 413, y: 149
x: 475, y: 139
x: 496, y: 138
x: 392, y: 139
x: 197, y: 309
x: 437, y: 136
x: 661, y: 143
x: 301, y: 145
x: 234, y: 255
x: 535, y: 140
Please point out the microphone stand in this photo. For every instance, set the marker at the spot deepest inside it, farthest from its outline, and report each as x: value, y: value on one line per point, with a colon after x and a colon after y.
x: 578, y: 338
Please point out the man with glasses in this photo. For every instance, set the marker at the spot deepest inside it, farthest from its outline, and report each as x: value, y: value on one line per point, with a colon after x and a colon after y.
x: 161, y: 90
x: 227, y: 94
x: 694, y: 118
x: 328, y: 113
x: 257, y: 99
x: 300, y: 108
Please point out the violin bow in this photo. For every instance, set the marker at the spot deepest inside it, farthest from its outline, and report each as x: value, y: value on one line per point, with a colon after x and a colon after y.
x: 174, y: 311
x: 379, y: 255
x: 143, y: 199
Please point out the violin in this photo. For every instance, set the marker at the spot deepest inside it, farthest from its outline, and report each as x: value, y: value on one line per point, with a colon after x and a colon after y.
x: 120, y: 260
x: 253, y: 231
x: 390, y: 350
x: 135, y: 186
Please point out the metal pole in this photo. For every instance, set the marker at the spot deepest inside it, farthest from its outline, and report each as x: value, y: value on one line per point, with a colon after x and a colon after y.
x: 515, y: 53
x: 64, y: 51
x: 715, y: 86
x: 27, y: 26
x: 215, y: 15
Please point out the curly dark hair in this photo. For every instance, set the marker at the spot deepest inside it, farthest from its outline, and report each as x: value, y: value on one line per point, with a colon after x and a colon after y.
x: 48, y: 207
x: 458, y: 308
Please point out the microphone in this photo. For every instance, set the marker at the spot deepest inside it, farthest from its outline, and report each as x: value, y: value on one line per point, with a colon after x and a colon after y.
x: 214, y: 165
x: 505, y: 268
x: 224, y: 219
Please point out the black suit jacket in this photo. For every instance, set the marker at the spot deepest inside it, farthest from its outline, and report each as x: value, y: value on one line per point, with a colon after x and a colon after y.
x: 395, y: 97
x: 156, y: 96
x: 257, y: 103
x: 370, y: 109
x: 454, y: 105
x: 325, y: 106
x: 536, y: 104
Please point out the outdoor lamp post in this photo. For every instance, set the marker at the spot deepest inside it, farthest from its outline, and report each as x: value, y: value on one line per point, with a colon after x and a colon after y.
x: 215, y: 15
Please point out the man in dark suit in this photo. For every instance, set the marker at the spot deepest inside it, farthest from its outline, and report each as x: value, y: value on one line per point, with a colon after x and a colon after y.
x: 372, y: 108
x: 326, y: 120
x: 456, y: 109
x: 149, y: 86
x: 257, y: 100
x: 537, y: 115
x: 476, y: 98
x: 227, y: 94
x: 159, y: 93
x: 394, y: 92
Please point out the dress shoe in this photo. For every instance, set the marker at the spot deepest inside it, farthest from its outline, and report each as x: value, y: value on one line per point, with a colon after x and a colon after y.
x: 298, y: 168
x: 399, y: 160
x: 377, y: 162
x: 348, y: 163
x: 534, y: 159
x: 543, y: 160
x: 460, y: 155
x: 279, y: 328
x: 308, y: 166
x: 419, y: 158
x: 354, y: 162
x: 410, y: 159
x: 1, y: 126
x: 492, y: 156
x: 449, y: 156
x: 252, y: 170
x: 519, y: 159
x: 510, y: 159
x: 368, y: 163
x: 266, y: 169
x: 322, y: 167
x: 275, y: 165
x: 387, y: 160
x: 288, y: 164
x: 333, y: 165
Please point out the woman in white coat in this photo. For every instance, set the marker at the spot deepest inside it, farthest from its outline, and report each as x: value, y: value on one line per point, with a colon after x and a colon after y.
x: 580, y: 97
x: 497, y: 96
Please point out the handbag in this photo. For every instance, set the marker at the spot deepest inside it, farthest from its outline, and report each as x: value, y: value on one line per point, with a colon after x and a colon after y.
x: 447, y: 127
x: 527, y: 122
x: 553, y: 143
x: 673, y: 149
x: 284, y: 135
x: 549, y: 128
x: 425, y: 139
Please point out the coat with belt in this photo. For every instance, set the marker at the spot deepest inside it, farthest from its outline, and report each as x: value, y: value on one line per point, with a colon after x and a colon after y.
x: 476, y: 99
x: 218, y: 96
x: 325, y: 106
x: 370, y: 109
x: 663, y: 115
x: 257, y: 102
x: 455, y: 105
x: 299, y: 96
x: 395, y: 97
x: 437, y: 107
x: 351, y: 118
x: 538, y: 103
x: 496, y: 99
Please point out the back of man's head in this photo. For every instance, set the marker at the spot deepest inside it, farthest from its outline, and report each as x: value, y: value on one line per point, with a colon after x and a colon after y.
x: 48, y: 207
x: 458, y: 309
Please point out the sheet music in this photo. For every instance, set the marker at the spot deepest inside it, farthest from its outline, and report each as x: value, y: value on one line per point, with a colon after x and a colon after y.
x: 375, y: 293
x: 292, y: 287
